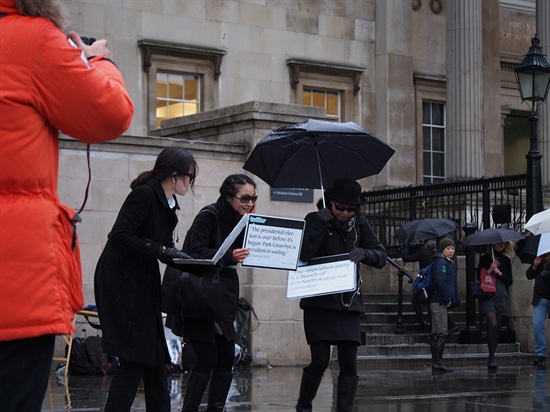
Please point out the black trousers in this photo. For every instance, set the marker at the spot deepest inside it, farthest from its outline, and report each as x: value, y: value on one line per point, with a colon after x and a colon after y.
x: 126, y: 382
x: 24, y: 372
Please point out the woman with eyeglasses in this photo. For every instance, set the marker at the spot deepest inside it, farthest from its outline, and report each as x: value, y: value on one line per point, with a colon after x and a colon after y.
x: 335, y: 319
x: 213, y: 342
x: 127, y: 281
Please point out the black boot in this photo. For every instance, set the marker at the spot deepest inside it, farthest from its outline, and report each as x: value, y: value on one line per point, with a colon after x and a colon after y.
x: 347, y: 386
x: 308, y: 391
x: 218, y: 390
x: 196, y: 384
x: 440, y: 347
x: 433, y: 350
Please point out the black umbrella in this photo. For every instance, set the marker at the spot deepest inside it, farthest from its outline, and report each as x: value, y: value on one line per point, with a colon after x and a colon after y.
x: 491, y: 236
x: 533, y: 246
x: 422, y: 229
x: 315, y: 153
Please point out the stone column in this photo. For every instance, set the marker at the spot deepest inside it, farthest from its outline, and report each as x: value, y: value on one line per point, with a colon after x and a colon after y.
x: 543, y: 30
x: 464, y: 90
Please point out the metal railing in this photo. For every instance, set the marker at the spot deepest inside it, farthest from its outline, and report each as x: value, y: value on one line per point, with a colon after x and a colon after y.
x: 465, y: 202
x: 468, y: 203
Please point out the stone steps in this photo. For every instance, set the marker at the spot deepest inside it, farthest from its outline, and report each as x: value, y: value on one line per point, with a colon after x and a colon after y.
x: 384, y: 345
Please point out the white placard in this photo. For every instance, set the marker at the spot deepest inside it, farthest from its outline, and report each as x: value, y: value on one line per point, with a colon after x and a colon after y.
x: 322, y: 276
x: 274, y: 242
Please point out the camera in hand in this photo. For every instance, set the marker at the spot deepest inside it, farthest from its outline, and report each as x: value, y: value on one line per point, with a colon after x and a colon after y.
x: 88, y: 40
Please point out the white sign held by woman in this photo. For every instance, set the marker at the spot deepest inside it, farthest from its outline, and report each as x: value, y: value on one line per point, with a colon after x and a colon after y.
x: 322, y: 276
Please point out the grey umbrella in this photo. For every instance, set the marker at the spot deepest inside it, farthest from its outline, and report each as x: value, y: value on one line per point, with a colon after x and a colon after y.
x: 423, y: 229
x: 492, y: 236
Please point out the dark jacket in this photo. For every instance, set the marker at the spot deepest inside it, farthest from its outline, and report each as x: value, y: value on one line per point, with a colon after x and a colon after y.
x: 504, y: 265
x: 127, y: 276
x: 444, y: 277
x: 536, y: 274
x: 331, y: 238
x: 203, y: 239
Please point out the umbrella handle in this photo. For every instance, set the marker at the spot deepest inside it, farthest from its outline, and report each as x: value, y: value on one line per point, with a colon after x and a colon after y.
x: 320, y: 175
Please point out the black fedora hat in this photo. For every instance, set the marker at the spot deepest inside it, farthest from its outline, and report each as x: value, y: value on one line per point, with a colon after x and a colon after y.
x: 346, y: 191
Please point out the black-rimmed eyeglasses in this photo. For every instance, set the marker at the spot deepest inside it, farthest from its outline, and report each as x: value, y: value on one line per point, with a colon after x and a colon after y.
x: 246, y: 198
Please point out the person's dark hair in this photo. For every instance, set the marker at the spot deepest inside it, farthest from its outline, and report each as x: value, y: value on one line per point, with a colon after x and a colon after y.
x: 230, y: 185
x: 172, y: 161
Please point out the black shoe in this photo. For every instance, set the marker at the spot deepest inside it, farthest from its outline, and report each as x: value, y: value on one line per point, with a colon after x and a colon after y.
x: 492, y: 364
x: 539, y: 359
x: 454, y: 329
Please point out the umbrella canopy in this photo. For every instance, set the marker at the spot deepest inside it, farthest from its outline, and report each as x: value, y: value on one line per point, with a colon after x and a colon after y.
x: 535, y: 245
x: 539, y: 222
x: 422, y: 229
x: 491, y: 236
x: 315, y: 153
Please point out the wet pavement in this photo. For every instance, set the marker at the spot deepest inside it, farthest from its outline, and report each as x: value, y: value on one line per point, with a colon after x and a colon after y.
x: 403, y: 386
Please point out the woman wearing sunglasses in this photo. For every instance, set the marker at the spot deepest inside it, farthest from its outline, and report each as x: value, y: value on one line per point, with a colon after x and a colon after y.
x: 335, y: 319
x: 213, y: 342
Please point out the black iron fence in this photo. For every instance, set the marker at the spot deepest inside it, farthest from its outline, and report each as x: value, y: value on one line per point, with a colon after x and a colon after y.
x: 466, y: 202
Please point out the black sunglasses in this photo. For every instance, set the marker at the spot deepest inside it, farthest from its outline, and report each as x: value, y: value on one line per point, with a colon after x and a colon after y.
x: 247, y: 198
x: 345, y: 209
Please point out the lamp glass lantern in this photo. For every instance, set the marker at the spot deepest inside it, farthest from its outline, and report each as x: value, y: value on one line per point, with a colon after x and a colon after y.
x: 533, y: 74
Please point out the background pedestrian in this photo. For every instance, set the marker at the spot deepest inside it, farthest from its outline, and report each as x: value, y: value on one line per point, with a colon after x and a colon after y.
x: 498, y: 263
x: 540, y: 272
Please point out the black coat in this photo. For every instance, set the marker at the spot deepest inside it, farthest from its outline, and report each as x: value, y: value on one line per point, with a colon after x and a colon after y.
x: 203, y: 239
x: 127, y: 276
x: 331, y: 238
x: 536, y: 274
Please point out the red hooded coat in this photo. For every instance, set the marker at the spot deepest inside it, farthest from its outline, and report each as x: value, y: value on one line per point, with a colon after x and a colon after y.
x: 45, y: 86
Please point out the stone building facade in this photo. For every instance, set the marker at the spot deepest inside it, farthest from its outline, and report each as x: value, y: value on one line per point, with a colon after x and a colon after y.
x: 433, y: 79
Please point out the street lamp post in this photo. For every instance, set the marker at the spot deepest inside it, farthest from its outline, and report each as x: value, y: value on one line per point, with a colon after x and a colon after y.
x: 533, y: 78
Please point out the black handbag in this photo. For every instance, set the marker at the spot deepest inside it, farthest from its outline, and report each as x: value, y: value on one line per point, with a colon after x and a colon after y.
x: 212, y: 295
x: 478, y: 293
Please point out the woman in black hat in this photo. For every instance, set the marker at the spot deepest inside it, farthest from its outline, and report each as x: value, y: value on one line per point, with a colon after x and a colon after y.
x: 335, y: 319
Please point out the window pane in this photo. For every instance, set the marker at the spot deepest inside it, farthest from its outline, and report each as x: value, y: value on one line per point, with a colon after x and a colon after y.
x: 439, y: 164
x: 306, y: 98
x: 426, y: 138
x: 333, y: 104
x: 438, y: 139
x: 175, y: 87
x: 437, y: 114
x: 190, y: 108
x: 427, y: 164
x: 426, y: 113
x: 192, y: 90
x: 318, y: 99
x: 162, y: 85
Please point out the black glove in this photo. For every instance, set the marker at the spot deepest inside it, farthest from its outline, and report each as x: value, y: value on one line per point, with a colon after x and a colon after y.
x: 357, y: 255
x: 361, y: 255
x: 173, y: 253
x: 325, y: 214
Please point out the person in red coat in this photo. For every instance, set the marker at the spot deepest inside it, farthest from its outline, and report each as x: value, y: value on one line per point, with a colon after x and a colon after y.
x: 46, y: 85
